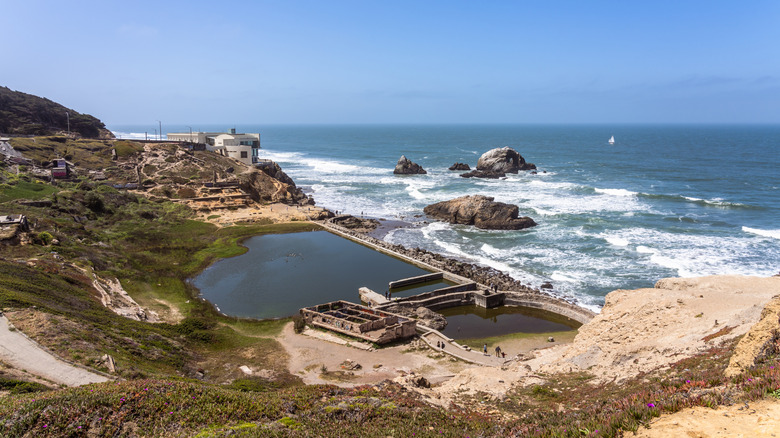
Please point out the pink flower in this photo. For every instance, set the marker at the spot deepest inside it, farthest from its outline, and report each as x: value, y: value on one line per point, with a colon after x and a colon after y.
x: 650, y: 405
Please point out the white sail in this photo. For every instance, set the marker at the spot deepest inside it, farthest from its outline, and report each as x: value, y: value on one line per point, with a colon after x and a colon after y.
x: 612, y: 140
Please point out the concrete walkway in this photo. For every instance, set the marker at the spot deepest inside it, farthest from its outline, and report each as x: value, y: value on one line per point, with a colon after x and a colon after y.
x: 20, y: 352
x: 431, y: 337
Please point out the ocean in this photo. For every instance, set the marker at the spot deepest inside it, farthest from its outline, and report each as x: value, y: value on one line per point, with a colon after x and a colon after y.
x: 663, y: 201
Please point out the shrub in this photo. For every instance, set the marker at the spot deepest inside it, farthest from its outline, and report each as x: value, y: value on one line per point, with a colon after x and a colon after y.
x: 45, y: 238
x: 298, y: 323
x: 186, y: 193
x: 94, y: 202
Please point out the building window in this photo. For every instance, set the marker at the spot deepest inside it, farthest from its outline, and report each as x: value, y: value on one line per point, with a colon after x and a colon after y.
x: 243, y: 154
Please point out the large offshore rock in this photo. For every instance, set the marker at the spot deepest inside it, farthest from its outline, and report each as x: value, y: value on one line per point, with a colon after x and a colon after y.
x: 480, y: 211
x: 405, y: 166
x: 460, y: 166
x: 506, y: 160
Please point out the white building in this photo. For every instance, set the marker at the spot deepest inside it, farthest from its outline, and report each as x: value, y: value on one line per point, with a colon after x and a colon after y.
x: 241, y: 147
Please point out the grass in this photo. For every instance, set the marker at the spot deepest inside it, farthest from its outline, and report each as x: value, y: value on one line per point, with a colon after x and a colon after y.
x: 153, y: 247
x: 25, y: 190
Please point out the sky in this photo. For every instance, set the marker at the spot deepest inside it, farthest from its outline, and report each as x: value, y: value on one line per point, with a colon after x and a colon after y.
x: 422, y: 61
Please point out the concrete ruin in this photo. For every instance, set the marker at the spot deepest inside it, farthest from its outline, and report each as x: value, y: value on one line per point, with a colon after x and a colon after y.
x: 359, y: 321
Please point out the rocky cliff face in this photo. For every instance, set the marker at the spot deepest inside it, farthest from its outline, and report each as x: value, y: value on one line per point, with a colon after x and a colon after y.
x: 262, y: 187
x: 496, y: 163
x: 405, y: 166
x: 480, y: 211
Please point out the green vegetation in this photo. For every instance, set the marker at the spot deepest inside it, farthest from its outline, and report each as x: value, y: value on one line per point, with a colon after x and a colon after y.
x: 153, y: 247
x: 21, y: 189
x: 565, y: 406
x: 19, y: 386
x: 25, y: 114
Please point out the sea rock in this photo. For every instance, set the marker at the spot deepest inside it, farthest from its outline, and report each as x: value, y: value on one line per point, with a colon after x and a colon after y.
x: 405, y: 166
x: 480, y: 211
x: 460, y: 166
x: 483, y: 174
x: 502, y: 160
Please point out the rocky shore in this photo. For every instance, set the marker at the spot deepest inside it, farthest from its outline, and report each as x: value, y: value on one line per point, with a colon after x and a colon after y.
x: 479, y: 274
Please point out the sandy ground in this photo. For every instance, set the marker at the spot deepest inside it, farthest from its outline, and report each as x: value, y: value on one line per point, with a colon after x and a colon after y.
x: 754, y: 420
x: 308, y: 355
x: 274, y: 212
x: 17, y: 351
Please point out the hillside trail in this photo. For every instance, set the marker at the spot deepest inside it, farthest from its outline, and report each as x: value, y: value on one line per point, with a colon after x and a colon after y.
x: 21, y: 352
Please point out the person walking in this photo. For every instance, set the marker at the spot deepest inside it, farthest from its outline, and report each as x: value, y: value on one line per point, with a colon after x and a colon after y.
x: 484, y: 349
x: 498, y: 351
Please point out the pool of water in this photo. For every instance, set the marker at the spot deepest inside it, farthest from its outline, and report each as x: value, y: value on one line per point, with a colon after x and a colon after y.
x: 420, y: 288
x: 283, y: 272
x: 464, y: 322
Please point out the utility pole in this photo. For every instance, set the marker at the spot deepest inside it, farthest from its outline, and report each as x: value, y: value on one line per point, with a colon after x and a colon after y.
x: 67, y: 116
x: 191, y: 134
x: 159, y: 137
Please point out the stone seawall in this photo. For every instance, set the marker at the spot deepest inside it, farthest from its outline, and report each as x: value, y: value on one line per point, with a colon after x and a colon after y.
x: 517, y: 294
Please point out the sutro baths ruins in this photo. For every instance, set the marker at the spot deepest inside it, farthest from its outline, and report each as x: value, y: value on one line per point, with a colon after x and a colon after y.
x: 378, y: 323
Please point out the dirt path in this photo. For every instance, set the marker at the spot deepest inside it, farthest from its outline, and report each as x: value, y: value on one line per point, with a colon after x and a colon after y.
x: 760, y: 419
x: 20, y: 352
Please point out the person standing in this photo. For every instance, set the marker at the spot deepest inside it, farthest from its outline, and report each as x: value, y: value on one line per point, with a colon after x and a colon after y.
x: 484, y: 349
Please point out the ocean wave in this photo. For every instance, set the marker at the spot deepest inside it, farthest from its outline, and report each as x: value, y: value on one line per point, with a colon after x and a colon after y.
x: 714, y: 202
x: 617, y: 241
x: 616, y: 192
x: 775, y: 234
x: 558, y: 276
x: 137, y: 135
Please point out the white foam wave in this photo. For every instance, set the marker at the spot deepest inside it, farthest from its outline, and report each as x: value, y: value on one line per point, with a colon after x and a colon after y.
x: 137, y: 135
x: 775, y: 234
x: 679, y: 265
x: 492, y: 250
x: 616, y: 192
x: 645, y: 250
x: 617, y: 241
x: 280, y: 157
x: 557, y: 276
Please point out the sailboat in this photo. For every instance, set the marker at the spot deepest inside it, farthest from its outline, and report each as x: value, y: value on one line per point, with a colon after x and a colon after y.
x: 612, y: 140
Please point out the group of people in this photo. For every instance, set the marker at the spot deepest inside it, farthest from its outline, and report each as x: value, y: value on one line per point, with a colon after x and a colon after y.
x: 440, y: 344
x: 499, y: 353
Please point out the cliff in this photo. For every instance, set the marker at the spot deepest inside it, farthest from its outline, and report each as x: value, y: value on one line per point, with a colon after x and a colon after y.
x: 26, y: 114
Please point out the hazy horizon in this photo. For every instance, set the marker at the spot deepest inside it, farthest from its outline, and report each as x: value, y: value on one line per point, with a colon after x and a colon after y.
x: 353, y: 62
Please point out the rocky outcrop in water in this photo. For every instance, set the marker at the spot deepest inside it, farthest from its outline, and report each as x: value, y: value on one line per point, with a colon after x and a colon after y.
x: 496, y: 163
x: 480, y: 211
x: 460, y: 166
x: 405, y: 166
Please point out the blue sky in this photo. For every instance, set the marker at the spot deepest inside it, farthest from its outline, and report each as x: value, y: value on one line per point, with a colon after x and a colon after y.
x: 331, y: 61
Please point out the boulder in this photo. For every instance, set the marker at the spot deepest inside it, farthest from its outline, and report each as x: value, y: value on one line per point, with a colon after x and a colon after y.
x: 405, y: 166
x: 460, y: 166
x: 483, y: 174
x: 480, y: 211
x: 505, y: 160
x: 270, y: 184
